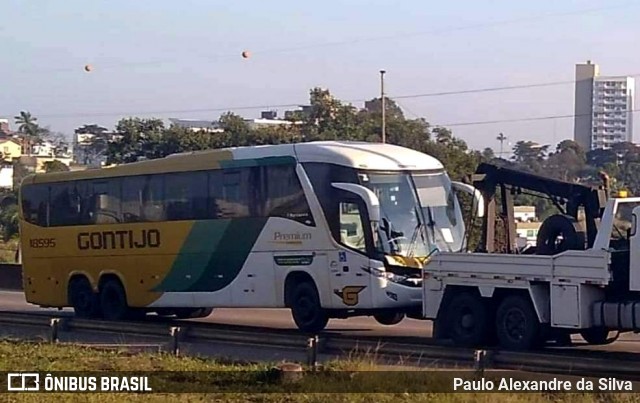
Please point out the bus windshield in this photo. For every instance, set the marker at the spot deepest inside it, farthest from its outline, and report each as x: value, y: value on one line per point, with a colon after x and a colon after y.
x: 419, y: 212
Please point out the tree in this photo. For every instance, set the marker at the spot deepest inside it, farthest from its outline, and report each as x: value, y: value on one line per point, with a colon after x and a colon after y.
x: 29, y: 129
x: 567, y: 162
x: 529, y: 155
x: 488, y: 154
x: 9, y: 222
x: 136, y: 138
x: 235, y: 128
x: 27, y: 123
x: 501, y: 138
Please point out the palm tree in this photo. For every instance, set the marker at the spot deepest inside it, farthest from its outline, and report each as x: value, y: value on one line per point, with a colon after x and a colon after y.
x: 28, y: 127
x: 501, y: 138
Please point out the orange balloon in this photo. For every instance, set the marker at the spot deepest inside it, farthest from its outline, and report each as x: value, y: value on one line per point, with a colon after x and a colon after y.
x: 88, y: 68
x: 246, y: 54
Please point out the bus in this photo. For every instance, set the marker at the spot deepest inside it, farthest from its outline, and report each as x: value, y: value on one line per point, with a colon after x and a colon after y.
x: 326, y: 229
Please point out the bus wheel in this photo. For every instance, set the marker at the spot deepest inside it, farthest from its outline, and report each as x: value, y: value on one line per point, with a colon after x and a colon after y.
x: 82, y: 298
x: 306, y: 310
x: 517, y: 325
x: 113, y: 301
x: 192, y: 313
x: 389, y: 318
x: 467, y: 320
x: 598, y: 336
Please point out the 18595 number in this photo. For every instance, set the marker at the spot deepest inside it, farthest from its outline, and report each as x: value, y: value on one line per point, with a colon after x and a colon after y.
x: 42, y: 242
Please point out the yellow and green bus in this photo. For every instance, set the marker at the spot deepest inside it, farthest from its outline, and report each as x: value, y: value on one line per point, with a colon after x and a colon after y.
x: 327, y: 229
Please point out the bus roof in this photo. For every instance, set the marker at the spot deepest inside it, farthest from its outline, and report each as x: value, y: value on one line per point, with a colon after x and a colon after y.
x: 375, y: 156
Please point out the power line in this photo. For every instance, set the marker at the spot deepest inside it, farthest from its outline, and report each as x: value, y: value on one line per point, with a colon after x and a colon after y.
x: 493, y: 89
x: 458, y: 28
x: 479, y: 25
x: 526, y: 119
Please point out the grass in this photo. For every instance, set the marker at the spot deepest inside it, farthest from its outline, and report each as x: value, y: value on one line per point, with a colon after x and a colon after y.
x: 240, y: 376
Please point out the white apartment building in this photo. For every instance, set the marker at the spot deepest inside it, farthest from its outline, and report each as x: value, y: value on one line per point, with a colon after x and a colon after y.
x: 612, y: 111
x: 603, y: 108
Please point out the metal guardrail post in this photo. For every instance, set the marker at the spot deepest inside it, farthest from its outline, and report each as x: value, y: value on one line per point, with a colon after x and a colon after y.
x: 54, y: 325
x: 312, y: 352
x: 479, y: 362
x: 174, y: 331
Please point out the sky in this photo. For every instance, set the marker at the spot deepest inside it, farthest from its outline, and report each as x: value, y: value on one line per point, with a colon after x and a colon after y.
x: 158, y: 58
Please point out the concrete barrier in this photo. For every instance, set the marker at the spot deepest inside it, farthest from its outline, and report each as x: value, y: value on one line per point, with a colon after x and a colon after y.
x: 10, y: 276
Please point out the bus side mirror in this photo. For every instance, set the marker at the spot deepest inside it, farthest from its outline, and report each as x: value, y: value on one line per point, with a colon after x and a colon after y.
x: 473, y: 192
x: 370, y: 199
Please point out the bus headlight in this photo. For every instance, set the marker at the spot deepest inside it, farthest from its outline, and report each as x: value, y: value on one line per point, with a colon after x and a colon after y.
x: 394, y: 277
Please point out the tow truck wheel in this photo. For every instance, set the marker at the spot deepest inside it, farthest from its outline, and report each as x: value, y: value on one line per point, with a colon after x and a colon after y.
x: 467, y: 320
x: 388, y: 318
x: 517, y: 325
x: 597, y: 336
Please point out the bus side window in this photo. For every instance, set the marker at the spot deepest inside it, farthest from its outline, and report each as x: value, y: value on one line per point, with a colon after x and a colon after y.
x: 284, y: 196
x: 351, y: 227
x: 186, y: 196
x: 153, y: 199
x: 35, y: 204
x: 230, y: 193
x: 132, y: 198
x: 103, y: 201
x: 64, y: 205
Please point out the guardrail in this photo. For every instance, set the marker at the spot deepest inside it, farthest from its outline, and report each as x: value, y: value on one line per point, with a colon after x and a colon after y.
x: 11, y: 276
x: 567, y: 362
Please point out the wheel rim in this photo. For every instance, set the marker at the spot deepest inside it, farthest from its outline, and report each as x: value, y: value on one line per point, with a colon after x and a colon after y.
x: 83, y: 301
x: 515, y: 324
x: 466, y: 323
x: 306, y: 309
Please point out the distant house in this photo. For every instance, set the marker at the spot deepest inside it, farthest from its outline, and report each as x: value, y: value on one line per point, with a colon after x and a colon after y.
x: 44, y: 149
x: 10, y: 149
x: 267, y: 119
x: 528, y: 232
x: 524, y: 213
x: 6, y: 176
x: 4, y: 126
x: 198, y: 125
x: 90, y: 145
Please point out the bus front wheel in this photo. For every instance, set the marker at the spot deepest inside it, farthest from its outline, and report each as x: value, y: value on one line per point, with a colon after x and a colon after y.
x: 306, y: 310
x: 389, y: 318
x: 113, y: 300
x: 192, y: 313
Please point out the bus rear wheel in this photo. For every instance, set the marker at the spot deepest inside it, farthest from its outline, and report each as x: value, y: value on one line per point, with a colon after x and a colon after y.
x: 306, y: 310
x: 113, y: 300
x: 82, y: 298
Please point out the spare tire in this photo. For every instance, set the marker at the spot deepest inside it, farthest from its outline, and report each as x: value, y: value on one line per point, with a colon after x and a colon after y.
x: 560, y: 233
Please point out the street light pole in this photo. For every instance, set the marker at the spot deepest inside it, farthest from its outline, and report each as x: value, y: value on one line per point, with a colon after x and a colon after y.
x: 384, y: 109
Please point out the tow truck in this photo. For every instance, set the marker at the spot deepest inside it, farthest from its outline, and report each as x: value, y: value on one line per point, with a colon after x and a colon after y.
x: 582, y: 277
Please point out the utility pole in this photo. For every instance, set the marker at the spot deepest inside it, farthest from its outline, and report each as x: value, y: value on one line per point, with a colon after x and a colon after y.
x: 384, y: 108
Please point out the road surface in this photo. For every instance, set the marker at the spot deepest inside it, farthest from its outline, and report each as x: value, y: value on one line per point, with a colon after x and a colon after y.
x: 281, y: 319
